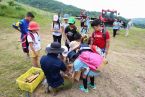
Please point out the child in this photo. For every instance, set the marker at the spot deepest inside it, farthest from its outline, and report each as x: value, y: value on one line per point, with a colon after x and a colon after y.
x: 70, y: 31
x: 56, y: 29
x: 87, y: 62
x: 74, y: 46
x: 22, y: 26
x: 33, y: 39
x: 100, y: 37
x: 65, y: 23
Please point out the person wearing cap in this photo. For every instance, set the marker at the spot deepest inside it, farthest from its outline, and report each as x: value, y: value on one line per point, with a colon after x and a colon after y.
x: 88, y: 63
x: 33, y: 39
x: 65, y: 23
x: 74, y: 46
x: 70, y: 31
x: 52, y: 65
x: 56, y: 29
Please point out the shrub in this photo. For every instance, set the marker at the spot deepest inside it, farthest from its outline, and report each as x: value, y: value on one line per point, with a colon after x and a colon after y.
x: 11, y: 3
x: 3, y: 6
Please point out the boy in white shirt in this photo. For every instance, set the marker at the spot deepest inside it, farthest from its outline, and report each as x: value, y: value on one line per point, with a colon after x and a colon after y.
x: 34, y: 43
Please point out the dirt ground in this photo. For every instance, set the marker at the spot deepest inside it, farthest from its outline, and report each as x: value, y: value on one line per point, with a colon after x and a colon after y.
x: 124, y: 76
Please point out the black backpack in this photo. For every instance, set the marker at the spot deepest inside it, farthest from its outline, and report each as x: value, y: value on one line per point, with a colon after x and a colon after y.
x: 104, y: 32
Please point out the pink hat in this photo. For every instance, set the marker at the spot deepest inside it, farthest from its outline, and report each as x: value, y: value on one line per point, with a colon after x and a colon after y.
x: 55, y: 18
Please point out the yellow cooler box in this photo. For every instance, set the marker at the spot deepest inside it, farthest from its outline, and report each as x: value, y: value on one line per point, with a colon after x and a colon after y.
x: 24, y: 81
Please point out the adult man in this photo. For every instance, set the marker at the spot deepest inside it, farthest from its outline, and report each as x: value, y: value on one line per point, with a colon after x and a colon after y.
x: 100, y: 37
x: 52, y: 65
x: 22, y: 26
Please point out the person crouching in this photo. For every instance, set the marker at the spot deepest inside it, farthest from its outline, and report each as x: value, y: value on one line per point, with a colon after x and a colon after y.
x: 52, y: 65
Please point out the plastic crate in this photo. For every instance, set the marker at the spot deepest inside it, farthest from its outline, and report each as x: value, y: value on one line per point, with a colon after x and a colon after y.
x: 30, y: 87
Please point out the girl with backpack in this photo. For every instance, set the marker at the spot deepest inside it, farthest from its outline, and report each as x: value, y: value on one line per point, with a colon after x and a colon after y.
x: 89, y: 63
x: 56, y: 29
x: 33, y: 40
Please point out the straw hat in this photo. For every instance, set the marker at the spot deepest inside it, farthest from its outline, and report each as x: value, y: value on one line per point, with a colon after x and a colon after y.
x: 73, y: 45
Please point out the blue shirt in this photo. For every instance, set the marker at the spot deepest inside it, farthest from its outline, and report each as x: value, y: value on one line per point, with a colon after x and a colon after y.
x: 51, y: 66
x: 116, y: 25
x: 24, y: 24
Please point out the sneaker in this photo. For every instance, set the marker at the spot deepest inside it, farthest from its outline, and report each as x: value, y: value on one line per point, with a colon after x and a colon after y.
x: 83, y: 89
x: 92, y: 86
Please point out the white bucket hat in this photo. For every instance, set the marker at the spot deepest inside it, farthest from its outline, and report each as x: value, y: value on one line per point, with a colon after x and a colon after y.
x: 55, y: 18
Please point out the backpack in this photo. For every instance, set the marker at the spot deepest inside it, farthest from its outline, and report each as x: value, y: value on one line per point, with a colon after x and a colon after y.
x: 25, y: 44
x: 91, y: 59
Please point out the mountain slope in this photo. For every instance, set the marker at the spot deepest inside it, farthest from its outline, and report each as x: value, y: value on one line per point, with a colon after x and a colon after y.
x: 55, y: 6
x: 139, y: 22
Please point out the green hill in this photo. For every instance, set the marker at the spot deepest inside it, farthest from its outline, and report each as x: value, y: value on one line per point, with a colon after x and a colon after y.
x: 56, y: 7
x: 139, y: 22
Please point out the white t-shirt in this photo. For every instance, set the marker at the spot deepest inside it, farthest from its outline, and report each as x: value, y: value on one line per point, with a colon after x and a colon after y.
x: 56, y: 27
x: 64, y: 25
x: 36, y: 41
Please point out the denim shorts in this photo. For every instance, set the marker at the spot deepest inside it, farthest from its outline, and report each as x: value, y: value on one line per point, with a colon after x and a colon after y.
x: 79, y: 65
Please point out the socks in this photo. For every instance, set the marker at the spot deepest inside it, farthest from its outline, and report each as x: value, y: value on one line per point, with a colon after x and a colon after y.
x: 85, y: 83
x: 92, y: 80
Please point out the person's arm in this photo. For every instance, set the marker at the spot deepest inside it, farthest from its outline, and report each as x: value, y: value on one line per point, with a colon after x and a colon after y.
x: 91, y: 39
x: 63, y: 67
x: 32, y: 48
x: 65, y: 34
x: 107, y: 43
x: 30, y: 41
x: 52, y: 29
x: 107, y: 47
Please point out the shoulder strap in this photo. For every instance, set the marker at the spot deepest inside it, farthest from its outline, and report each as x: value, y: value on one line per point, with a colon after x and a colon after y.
x: 32, y: 36
x: 104, y: 30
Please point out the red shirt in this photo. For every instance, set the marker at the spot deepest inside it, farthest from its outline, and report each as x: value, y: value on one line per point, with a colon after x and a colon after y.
x: 99, y: 40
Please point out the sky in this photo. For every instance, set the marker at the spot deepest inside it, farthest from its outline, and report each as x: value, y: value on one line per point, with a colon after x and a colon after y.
x: 126, y: 8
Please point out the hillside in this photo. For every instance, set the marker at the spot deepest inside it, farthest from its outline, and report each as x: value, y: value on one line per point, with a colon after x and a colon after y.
x: 139, y: 22
x: 56, y: 7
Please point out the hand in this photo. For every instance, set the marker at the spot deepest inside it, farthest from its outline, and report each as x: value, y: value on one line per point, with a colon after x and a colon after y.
x: 106, y: 53
x: 68, y: 41
x: 35, y: 54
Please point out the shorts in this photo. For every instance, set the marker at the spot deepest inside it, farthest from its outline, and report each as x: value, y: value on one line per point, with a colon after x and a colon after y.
x: 79, y: 65
x: 32, y: 55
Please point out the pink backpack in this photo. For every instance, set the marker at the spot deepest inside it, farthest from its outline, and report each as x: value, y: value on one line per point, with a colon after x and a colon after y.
x: 91, y: 59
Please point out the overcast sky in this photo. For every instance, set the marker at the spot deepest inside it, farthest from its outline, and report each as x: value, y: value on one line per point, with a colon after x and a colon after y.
x: 127, y: 8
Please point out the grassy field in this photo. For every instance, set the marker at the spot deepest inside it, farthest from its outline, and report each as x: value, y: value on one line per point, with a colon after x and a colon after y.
x: 123, y: 77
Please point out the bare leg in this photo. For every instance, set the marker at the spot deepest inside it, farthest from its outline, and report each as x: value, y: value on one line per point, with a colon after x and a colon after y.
x: 35, y: 61
x: 127, y: 32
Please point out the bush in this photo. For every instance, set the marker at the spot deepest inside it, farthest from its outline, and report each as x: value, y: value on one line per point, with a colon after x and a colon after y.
x: 19, y: 8
x: 11, y: 3
x: 3, y: 6
x: 2, y: 13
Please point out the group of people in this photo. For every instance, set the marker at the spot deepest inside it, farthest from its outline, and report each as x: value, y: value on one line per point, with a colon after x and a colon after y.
x: 81, y: 54
x: 117, y: 25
